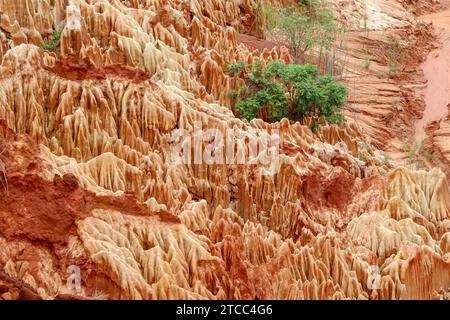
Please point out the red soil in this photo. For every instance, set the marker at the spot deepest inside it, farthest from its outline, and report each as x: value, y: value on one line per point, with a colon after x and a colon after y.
x: 75, y: 68
x: 37, y: 209
x: 436, y: 70
x: 254, y: 43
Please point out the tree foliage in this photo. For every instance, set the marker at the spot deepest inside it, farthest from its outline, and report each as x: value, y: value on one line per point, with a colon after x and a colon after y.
x: 295, y: 91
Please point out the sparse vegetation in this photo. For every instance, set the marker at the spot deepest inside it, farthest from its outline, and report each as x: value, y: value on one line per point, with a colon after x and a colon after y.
x: 295, y: 91
x: 394, y: 55
x: 417, y: 154
x: 265, y: 18
x: 364, y: 152
x: 53, y: 41
x: 386, y: 159
x: 311, y: 23
x: 366, y: 63
x: 309, y: 28
x: 233, y: 94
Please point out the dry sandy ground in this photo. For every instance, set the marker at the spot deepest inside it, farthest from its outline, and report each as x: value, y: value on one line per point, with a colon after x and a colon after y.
x: 437, y: 72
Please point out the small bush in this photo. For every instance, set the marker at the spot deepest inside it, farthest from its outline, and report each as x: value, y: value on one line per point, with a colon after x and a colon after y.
x: 394, y: 55
x: 235, y: 68
x: 295, y: 91
x: 53, y: 42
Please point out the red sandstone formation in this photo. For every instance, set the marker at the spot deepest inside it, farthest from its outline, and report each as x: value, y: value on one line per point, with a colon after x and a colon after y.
x: 93, y: 206
x: 77, y: 69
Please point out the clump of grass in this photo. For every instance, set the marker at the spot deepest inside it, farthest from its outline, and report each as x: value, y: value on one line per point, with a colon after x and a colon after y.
x: 53, y: 42
x: 386, y: 159
x: 395, y: 55
x: 264, y: 17
x: 418, y: 155
x: 366, y: 63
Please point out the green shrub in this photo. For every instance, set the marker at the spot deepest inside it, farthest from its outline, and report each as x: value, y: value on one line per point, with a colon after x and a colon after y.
x: 394, y: 55
x: 235, y: 68
x: 366, y: 62
x: 53, y: 42
x: 263, y: 97
x: 295, y: 91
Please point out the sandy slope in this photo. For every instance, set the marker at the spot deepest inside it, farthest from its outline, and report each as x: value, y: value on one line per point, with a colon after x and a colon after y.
x: 437, y: 72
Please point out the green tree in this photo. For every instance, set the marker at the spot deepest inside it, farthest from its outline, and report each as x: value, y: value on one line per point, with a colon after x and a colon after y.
x: 295, y: 91
x: 306, y: 25
x: 263, y: 97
